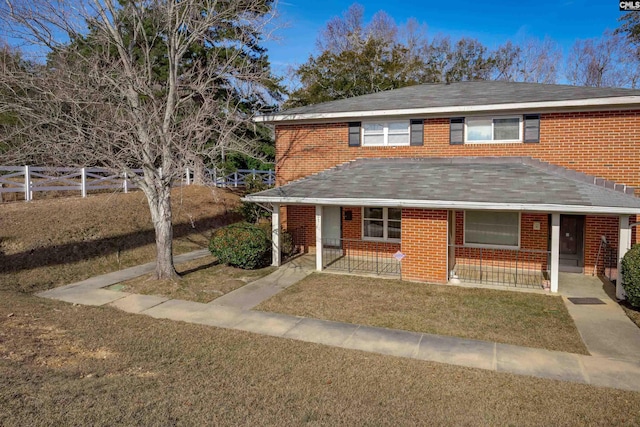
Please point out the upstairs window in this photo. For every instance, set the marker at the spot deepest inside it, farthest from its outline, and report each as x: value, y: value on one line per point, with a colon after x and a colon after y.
x: 380, y: 134
x: 493, y: 129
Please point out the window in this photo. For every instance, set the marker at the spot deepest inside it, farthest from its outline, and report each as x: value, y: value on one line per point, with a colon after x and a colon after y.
x: 493, y: 129
x: 492, y: 229
x: 385, y: 133
x: 381, y: 224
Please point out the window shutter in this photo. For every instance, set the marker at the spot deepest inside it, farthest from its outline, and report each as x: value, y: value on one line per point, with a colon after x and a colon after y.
x: 532, y: 128
x: 456, y: 131
x: 354, y: 134
x: 417, y: 132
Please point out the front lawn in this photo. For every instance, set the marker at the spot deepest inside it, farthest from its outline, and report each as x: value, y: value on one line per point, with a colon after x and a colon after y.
x: 65, y: 364
x: 203, y: 280
x: 502, y: 316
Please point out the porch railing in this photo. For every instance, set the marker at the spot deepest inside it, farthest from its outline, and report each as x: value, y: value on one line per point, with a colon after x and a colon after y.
x: 523, y: 268
x: 360, y: 256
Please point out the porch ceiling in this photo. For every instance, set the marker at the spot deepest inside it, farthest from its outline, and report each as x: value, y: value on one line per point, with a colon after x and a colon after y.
x: 496, y: 183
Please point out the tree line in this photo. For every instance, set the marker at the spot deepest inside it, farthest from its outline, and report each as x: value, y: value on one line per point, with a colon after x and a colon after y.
x: 356, y: 58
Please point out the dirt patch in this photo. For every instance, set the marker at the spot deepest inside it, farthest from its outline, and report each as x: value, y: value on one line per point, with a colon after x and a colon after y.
x: 47, y: 243
x: 202, y: 280
x: 502, y: 316
x: 632, y: 312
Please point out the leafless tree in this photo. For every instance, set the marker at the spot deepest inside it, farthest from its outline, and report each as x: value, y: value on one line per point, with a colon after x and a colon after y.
x: 532, y: 61
x: 606, y: 61
x: 123, y: 89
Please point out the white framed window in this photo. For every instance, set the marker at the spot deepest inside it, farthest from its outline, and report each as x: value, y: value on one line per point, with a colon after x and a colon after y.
x: 380, y: 134
x: 492, y: 229
x: 493, y: 129
x: 382, y: 224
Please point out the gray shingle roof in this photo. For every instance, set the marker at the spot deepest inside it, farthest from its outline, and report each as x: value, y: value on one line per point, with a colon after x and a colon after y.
x: 489, y: 183
x: 461, y: 94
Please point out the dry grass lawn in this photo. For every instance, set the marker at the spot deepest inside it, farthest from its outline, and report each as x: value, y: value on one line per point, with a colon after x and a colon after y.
x: 77, y: 365
x: 48, y: 243
x: 202, y: 280
x: 502, y: 316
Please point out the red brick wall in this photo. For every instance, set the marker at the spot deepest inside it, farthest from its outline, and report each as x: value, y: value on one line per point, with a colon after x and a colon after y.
x: 301, y: 223
x: 595, y: 227
x: 605, y: 144
x: 424, y: 242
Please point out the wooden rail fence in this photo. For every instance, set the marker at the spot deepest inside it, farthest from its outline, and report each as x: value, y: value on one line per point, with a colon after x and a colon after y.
x: 30, y: 179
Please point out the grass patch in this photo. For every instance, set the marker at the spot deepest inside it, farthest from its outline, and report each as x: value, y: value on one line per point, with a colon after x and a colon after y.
x: 48, y: 243
x: 508, y: 317
x: 202, y: 280
x: 76, y: 365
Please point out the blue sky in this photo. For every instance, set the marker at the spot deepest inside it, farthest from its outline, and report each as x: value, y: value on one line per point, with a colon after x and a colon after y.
x: 492, y: 22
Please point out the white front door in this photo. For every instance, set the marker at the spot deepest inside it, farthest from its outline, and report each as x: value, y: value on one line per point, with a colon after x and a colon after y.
x: 331, y: 226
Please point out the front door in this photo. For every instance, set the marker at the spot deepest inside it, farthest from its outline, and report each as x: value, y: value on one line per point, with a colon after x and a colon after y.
x: 571, y: 243
x: 331, y: 226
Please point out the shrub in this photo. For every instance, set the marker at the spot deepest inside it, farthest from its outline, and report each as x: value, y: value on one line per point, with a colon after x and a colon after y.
x: 241, y: 245
x: 631, y: 275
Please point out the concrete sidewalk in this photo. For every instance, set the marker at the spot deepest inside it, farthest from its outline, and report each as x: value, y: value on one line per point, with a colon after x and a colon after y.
x: 605, y: 328
x: 595, y: 370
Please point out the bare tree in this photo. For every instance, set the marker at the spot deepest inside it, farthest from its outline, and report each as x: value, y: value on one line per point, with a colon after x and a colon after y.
x: 603, y: 62
x: 532, y: 61
x: 149, y: 84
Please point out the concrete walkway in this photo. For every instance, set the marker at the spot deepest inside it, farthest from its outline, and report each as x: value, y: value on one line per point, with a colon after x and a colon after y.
x: 233, y: 314
x: 605, y: 328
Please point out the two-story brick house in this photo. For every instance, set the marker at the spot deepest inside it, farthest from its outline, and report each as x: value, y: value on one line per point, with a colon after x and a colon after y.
x: 498, y: 181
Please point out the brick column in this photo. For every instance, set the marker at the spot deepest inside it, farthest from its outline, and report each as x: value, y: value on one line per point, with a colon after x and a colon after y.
x: 424, y: 242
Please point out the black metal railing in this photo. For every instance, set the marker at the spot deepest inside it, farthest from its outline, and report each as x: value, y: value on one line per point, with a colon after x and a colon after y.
x: 523, y: 268
x: 610, y: 263
x: 360, y: 256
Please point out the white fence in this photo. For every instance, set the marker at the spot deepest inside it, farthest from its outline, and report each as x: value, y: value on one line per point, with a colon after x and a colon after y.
x: 30, y: 179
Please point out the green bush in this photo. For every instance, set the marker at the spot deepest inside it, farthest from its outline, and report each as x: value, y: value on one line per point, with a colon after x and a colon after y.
x: 241, y: 245
x: 631, y: 275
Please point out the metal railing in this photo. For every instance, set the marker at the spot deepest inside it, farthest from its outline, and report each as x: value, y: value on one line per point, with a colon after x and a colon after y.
x: 360, y: 256
x: 30, y: 179
x: 523, y: 268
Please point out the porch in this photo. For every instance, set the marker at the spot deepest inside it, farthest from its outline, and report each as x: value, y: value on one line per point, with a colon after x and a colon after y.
x: 510, y: 268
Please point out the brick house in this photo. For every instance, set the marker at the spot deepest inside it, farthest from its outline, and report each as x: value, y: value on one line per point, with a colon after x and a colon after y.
x: 487, y: 182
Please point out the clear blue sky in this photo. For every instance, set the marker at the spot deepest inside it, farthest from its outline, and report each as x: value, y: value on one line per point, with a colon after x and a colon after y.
x: 492, y: 22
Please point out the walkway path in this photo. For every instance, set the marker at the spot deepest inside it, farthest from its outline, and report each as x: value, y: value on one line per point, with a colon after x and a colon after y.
x: 605, y: 328
x: 596, y: 370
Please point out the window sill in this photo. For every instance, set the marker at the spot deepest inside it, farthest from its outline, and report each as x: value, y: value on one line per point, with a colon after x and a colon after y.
x: 493, y: 142
x: 380, y: 240
x: 482, y: 246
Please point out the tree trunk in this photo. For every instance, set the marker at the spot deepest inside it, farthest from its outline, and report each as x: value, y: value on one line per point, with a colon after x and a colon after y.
x: 160, y: 207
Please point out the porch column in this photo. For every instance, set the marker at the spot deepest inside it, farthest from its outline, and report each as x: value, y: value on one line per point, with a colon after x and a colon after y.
x: 624, y: 244
x: 555, y: 250
x: 318, y: 237
x: 275, y: 235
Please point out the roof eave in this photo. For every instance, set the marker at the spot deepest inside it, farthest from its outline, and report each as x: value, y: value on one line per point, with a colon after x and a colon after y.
x: 447, y: 204
x: 608, y: 102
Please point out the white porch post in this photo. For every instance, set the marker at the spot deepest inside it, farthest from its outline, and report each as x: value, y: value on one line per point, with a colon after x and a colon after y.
x: 318, y: 237
x: 555, y: 250
x: 624, y: 244
x: 275, y: 235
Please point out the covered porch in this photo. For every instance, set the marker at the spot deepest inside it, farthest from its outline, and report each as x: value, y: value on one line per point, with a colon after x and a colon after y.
x: 413, y: 207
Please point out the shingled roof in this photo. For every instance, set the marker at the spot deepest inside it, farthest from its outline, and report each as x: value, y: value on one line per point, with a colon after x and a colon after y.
x: 462, y: 96
x: 496, y: 183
